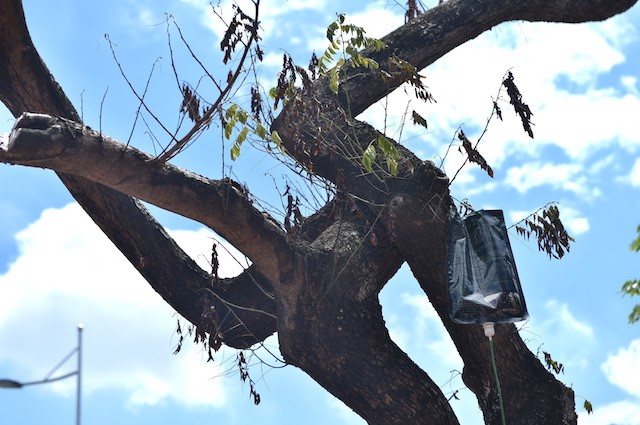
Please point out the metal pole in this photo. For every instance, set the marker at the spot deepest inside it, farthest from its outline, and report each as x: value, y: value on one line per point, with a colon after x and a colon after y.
x: 79, y: 394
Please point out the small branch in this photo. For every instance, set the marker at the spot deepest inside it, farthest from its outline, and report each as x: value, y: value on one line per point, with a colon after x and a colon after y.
x: 203, y: 122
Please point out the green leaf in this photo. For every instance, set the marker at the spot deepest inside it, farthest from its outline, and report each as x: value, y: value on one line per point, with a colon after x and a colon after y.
x: 228, y: 129
x: 260, y: 131
x: 369, y: 157
x: 242, y: 136
x: 634, y: 316
x: 334, y: 79
x: 392, y: 165
x: 242, y: 116
x: 331, y: 30
x: 235, y: 152
x: 588, y: 407
x: 387, y: 147
x: 275, y: 138
x: 635, y: 245
x: 231, y: 111
x: 631, y: 287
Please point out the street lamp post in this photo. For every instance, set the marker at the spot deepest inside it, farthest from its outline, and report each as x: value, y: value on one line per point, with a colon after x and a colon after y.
x: 10, y: 383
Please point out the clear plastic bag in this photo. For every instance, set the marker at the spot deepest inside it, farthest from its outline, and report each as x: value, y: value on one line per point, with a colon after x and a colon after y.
x: 483, y: 281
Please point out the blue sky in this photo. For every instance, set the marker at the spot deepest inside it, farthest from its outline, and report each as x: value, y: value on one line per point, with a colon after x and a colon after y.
x: 57, y: 269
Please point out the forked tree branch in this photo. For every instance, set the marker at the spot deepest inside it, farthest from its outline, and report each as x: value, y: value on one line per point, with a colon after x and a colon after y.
x: 26, y: 85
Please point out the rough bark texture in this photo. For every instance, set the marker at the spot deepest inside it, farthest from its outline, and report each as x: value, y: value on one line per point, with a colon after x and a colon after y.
x: 317, y: 288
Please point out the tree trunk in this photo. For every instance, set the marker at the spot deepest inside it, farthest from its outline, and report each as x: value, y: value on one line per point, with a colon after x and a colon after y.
x: 337, y: 334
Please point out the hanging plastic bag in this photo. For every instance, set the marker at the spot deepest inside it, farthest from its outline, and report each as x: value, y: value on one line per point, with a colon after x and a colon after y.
x: 483, y: 280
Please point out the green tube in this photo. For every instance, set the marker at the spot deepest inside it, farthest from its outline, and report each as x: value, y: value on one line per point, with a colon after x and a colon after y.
x: 495, y: 375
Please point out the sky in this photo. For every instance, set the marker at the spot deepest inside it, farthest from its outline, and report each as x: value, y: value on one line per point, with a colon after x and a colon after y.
x: 58, y: 270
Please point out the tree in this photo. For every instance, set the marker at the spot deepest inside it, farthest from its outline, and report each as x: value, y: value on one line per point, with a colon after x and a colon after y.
x: 314, y: 281
x: 632, y: 287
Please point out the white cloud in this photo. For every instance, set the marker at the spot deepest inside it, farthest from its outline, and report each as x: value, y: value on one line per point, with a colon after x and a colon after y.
x: 630, y: 83
x: 572, y: 219
x: 567, y: 177
x: 634, y: 176
x: 427, y: 331
x: 66, y: 272
x: 560, y: 316
x: 622, y: 369
x: 568, y: 338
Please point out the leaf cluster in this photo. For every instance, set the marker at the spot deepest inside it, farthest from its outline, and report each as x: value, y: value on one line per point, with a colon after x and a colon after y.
x: 234, y: 116
x: 387, y: 149
x: 349, y: 40
x: 549, y: 231
x: 401, y: 69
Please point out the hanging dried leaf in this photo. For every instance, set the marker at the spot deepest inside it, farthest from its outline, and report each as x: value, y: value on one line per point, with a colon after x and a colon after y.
x: 241, y: 25
x: 256, y: 102
x: 497, y: 109
x: 190, y: 103
x: 399, y: 68
x: 521, y: 108
x: 549, y: 231
x: 474, y: 155
x: 215, y: 263
x: 419, y: 119
x: 286, y: 81
x: 293, y: 217
x: 313, y: 66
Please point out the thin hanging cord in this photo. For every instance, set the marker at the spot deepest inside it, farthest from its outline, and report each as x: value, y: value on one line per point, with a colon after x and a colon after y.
x: 495, y: 375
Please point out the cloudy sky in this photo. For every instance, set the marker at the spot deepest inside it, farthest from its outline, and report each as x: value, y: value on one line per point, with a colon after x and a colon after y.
x: 57, y: 269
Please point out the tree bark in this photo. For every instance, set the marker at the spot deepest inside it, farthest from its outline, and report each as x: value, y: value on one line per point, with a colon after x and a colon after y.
x: 338, y: 336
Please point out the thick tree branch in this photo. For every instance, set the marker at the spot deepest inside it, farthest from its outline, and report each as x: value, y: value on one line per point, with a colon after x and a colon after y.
x: 27, y: 85
x: 304, y: 123
x: 441, y: 29
x: 68, y: 147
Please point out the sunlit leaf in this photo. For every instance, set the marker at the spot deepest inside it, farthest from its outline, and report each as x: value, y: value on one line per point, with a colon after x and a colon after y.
x: 392, y: 165
x: 260, y: 131
x: 369, y: 157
